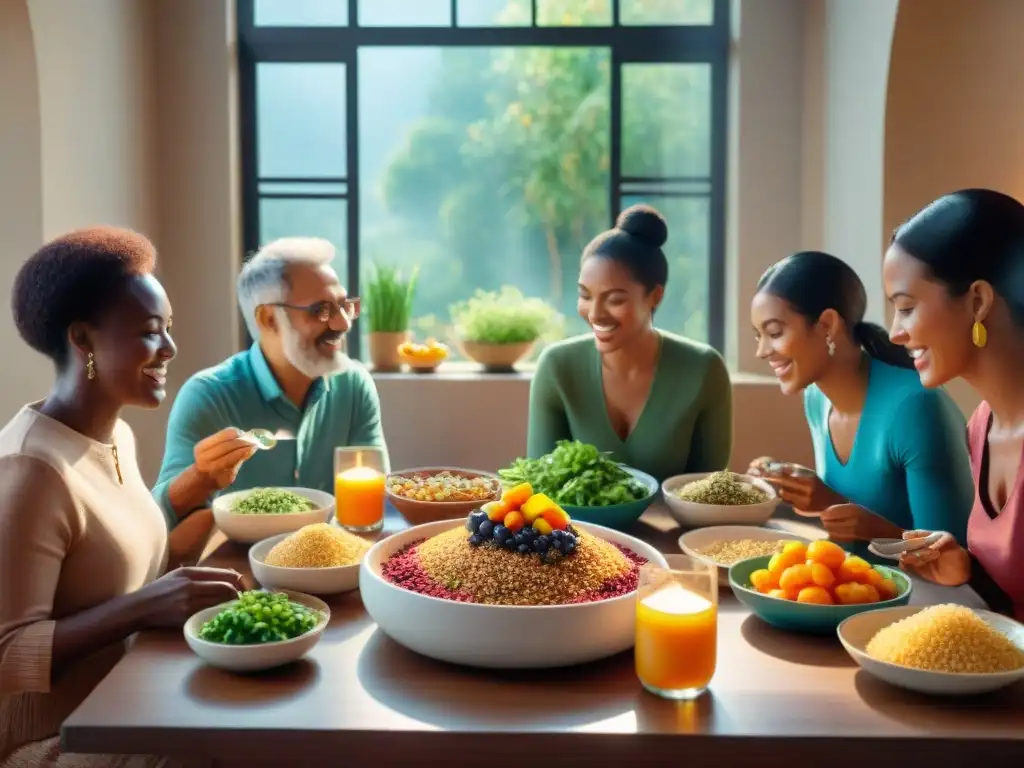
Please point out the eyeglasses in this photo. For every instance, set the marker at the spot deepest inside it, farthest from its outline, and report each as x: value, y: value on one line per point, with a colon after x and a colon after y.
x: 325, y: 311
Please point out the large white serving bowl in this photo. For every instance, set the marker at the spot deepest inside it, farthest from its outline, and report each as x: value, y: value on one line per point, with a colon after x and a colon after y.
x: 499, y: 636
x: 856, y: 631
x: 690, y: 514
x: 255, y: 658
x: 252, y: 528
x: 693, y: 541
x: 312, y: 581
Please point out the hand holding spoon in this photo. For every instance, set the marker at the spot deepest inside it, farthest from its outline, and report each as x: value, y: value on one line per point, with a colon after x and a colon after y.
x: 893, y: 548
x: 265, y: 440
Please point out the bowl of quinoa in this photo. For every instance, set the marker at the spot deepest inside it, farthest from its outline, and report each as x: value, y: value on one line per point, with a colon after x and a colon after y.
x: 430, y: 589
x: 723, y: 545
x: 719, y: 498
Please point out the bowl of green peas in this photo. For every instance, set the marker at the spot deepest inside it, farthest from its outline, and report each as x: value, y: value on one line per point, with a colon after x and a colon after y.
x: 260, y: 630
x: 256, y: 514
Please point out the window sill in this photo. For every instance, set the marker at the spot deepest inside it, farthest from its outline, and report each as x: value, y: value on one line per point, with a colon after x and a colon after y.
x: 465, y: 371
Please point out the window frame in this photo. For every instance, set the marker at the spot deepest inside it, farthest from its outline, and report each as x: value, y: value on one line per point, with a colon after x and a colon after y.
x: 632, y: 44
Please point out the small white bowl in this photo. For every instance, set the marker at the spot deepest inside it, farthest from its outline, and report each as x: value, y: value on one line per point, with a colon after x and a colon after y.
x: 690, y: 514
x: 252, y: 528
x: 856, y: 631
x: 499, y: 636
x: 692, y: 541
x: 312, y: 581
x: 255, y: 658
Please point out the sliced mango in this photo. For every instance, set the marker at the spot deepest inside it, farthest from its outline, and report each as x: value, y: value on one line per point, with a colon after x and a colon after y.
x: 517, y: 495
x: 556, y: 518
x: 537, y: 505
x: 514, y: 521
x: 496, y: 510
x: 541, y: 526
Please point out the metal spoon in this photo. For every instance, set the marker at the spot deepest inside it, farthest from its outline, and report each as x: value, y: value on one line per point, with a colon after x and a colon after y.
x: 265, y: 440
x: 893, y: 548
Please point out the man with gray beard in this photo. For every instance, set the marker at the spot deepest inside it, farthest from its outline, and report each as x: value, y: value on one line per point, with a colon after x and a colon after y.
x: 295, y: 381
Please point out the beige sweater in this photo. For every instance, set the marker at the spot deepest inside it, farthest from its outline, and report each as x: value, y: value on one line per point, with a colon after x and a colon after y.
x: 72, y: 536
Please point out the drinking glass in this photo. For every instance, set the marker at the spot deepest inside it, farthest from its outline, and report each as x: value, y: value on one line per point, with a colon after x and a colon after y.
x: 677, y: 627
x: 360, y: 473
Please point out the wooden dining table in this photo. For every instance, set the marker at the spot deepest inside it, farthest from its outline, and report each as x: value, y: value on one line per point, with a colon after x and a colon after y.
x: 361, y: 699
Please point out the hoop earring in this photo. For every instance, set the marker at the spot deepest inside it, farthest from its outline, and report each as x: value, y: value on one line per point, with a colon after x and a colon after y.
x: 979, y: 334
x: 831, y: 346
x: 90, y: 367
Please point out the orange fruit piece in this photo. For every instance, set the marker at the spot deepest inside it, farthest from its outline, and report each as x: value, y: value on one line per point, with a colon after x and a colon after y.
x: 821, y: 574
x: 887, y: 590
x: 514, y: 521
x: 795, y: 577
x: 815, y: 595
x: 826, y: 552
x: 781, y: 594
x: 517, y: 495
x: 763, y: 581
x: 496, y: 510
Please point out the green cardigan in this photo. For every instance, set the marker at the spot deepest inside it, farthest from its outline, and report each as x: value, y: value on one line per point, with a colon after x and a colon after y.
x: 685, y: 426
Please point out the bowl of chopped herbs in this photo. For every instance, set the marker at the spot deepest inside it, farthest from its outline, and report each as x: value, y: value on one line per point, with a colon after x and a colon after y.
x: 719, y: 498
x: 259, y: 513
x: 587, y: 483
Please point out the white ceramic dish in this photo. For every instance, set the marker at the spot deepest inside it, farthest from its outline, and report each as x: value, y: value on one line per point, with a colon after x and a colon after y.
x: 252, y: 528
x: 255, y: 658
x: 690, y: 514
x: 496, y: 636
x: 856, y: 631
x: 312, y: 581
x: 698, y: 538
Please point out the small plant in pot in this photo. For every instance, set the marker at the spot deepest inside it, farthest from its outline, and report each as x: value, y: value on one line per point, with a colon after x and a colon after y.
x: 388, y: 298
x: 499, y: 328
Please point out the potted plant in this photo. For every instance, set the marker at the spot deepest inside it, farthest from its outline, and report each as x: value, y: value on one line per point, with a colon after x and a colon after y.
x: 388, y: 298
x: 499, y: 328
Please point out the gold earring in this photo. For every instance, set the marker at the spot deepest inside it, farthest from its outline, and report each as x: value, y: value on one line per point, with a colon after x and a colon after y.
x: 979, y: 334
x: 831, y: 346
x: 90, y: 367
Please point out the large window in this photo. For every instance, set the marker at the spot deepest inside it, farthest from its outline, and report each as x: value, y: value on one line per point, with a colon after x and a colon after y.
x: 487, y: 141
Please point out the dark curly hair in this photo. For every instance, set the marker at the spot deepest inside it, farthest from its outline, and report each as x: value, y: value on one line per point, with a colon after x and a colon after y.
x: 74, y: 278
x: 635, y: 242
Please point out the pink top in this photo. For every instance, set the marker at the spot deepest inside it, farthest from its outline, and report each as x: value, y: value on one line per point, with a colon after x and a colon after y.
x: 996, y: 538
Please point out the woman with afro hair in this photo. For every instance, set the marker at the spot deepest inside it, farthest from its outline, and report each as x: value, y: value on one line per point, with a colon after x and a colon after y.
x: 83, y: 545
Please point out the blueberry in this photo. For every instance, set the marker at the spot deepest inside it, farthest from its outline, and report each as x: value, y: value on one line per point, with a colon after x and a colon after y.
x: 541, y: 544
x: 568, y: 547
x: 485, y: 529
x: 518, y: 539
x: 569, y: 537
x: 523, y: 548
x: 501, y: 533
x: 556, y: 544
x: 556, y: 535
x: 476, y: 540
x: 473, y: 523
x: 509, y: 543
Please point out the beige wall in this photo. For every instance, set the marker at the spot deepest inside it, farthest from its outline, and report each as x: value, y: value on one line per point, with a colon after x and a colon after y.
x: 955, y: 108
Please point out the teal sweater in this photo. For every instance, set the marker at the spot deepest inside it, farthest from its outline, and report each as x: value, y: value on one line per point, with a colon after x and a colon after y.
x: 909, y: 462
x: 242, y: 392
x: 685, y: 426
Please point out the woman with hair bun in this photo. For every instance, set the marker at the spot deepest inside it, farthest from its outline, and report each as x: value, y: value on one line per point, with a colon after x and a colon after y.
x: 955, y: 274
x: 657, y: 402
x: 890, y: 454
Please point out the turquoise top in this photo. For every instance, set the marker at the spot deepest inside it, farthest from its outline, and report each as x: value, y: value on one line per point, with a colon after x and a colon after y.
x: 686, y: 423
x: 909, y: 462
x: 340, y: 410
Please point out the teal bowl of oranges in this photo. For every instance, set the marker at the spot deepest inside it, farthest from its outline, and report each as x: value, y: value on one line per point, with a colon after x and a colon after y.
x: 811, y: 588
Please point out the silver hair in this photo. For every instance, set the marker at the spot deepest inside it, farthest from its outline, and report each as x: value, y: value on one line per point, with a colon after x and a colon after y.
x: 264, y: 278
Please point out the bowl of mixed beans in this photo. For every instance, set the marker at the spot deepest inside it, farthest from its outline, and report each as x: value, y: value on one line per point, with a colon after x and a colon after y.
x: 428, y: 494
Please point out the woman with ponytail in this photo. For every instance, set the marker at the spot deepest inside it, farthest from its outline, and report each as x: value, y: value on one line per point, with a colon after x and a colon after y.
x: 890, y: 454
x: 955, y: 274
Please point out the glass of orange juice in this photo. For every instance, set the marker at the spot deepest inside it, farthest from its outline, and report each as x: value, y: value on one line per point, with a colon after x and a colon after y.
x: 360, y: 473
x: 677, y: 627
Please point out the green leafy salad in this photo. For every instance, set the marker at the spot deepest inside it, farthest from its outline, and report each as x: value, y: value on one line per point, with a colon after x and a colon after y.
x: 272, y: 501
x: 259, y: 617
x: 577, y: 474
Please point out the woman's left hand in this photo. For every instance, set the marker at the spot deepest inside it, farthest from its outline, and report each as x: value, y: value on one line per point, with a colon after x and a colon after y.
x: 852, y: 522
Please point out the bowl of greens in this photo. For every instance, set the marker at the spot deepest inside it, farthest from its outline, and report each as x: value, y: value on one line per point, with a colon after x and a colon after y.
x: 587, y: 484
x: 498, y: 328
x: 258, y: 513
x: 260, y: 630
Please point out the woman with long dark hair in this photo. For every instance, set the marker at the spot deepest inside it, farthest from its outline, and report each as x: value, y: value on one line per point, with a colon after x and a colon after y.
x: 890, y: 455
x: 955, y: 274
